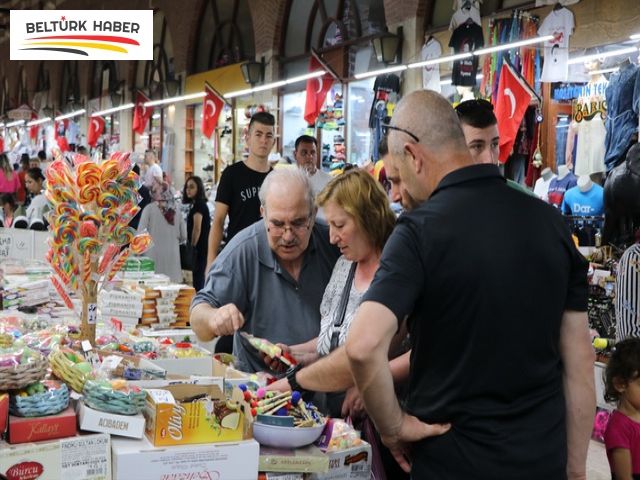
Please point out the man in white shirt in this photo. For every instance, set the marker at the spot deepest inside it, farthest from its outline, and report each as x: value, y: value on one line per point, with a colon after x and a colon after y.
x: 306, y: 156
x: 154, y: 171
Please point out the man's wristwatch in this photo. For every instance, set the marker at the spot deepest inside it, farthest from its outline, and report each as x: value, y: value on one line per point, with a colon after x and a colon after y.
x: 291, y: 378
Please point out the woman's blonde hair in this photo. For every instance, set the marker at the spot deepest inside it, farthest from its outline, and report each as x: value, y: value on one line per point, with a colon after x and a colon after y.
x: 5, y: 164
x: 364, y: 199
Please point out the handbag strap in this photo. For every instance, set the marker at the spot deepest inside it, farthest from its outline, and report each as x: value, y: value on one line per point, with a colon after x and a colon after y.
x: 344, y: 299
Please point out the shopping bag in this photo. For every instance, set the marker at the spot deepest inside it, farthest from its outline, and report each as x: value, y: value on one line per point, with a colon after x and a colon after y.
x: 188, y: 257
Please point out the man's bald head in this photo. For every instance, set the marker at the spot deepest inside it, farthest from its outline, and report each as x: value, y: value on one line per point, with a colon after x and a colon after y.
x: 426, y: 142
x: 431, y: 118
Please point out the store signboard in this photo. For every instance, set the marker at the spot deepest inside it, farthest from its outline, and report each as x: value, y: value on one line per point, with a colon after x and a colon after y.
x: 19, y: 244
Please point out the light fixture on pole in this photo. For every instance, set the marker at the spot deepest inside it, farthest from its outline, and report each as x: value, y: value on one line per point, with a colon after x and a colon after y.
x: 171, y: 88
x: 252, y: 72
x: 388, y: 46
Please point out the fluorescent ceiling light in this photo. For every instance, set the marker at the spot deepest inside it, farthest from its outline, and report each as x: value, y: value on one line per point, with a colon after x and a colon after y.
x: 306, y: 76
x: 193, y: 96
x: 238, y: 93
x: 508, y: 46
x: 375, y: 73
x: 38, y: 121
x: 635, y: 36
x: 15, y: 124
x: 114, y: 109
x: 435, y: 61
x: 598, y: 56
x: 448, y: 82
x: 269, y: 86
x: 72, y: 114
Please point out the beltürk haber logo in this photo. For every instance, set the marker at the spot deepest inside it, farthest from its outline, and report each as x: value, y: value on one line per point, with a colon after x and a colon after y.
x: 81, y: 35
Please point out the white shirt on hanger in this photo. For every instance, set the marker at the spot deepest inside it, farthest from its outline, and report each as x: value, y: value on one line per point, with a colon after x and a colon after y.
x: 431, y: 73
x: 560, y: 24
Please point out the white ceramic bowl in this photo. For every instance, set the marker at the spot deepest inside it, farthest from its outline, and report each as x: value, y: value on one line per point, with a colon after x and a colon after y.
x: 285, y: 437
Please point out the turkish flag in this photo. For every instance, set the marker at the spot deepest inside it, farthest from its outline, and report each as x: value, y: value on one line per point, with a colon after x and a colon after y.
x: 96, y: 127
x: 59, y: 133
x: 317, y: 89
x: 1, y: 144
x: 33, y: 130
x: 512, y: 99
x: 211, y: 109
x: 141, y: 113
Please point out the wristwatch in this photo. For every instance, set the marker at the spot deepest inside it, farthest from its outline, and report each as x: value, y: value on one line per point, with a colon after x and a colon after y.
x: 291, y: 378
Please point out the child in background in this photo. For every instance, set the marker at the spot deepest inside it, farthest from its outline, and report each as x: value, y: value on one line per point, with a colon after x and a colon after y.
x: 622, y: 387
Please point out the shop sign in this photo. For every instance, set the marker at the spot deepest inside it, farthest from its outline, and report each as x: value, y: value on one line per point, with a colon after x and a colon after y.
x: 584, y: 110
x: 569, y: 91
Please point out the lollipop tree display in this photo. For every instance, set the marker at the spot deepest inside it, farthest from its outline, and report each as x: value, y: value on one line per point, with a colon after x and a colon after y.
x: 91, y: 206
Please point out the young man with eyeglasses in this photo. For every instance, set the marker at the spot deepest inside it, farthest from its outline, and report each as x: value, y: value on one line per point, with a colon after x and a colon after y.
x: 269, y: 279
x: 480, y: 127
x: 487, y: 397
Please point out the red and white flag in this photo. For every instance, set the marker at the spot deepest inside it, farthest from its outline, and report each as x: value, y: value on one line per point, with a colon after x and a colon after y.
x: 317, y: 89
x: 59, y: 133
x: 33, y: 130
x: 141, y: 114
x: 512, y: 100
x: 96, y: 127
x: 211, y: 108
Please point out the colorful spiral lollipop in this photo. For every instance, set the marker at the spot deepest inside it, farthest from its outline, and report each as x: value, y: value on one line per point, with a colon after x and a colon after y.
x: 110, y: 170
x: 140, y: 243
x: 123, y: 234
x: 91, y: 245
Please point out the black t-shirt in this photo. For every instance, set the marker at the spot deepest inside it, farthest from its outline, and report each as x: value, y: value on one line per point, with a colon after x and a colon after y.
x: 145, y: 199
x: 238, y: 189
x: 203, y: 241
x: 486, y: 273
x: 466, y: 38
x: 384, y: 85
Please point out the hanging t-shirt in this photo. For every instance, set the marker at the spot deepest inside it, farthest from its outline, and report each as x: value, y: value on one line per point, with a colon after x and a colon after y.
x: 386, y: 89
x: 558, y: 187
x: 560, y: 24
x: 584, y: 204
x: 466, y: 38
x: 431, y: 73
x: 465, y: 10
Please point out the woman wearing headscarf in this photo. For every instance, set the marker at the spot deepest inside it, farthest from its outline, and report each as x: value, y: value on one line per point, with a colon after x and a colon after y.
x: 164, y: 223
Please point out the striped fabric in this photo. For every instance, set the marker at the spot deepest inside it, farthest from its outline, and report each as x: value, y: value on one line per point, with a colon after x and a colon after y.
x: 628, y: 294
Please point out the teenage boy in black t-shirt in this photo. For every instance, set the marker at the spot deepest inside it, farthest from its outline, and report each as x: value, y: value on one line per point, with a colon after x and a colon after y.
x: 237, y: 194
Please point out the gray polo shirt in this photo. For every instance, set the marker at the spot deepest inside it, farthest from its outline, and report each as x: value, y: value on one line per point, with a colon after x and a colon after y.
x: 274, y: 305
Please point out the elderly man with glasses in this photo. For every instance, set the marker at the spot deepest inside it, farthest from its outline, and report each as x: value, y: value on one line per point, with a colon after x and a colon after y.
x: 270, y: 278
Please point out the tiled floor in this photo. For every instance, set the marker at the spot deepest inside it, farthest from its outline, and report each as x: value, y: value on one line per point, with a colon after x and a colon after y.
x: 597, y: 465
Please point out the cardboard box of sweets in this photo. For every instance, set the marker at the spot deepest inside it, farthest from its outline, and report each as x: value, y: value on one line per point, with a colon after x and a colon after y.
x: 85, y: 457
x: 34, y: 429
x: 187, y: 414
x: 138, y: 459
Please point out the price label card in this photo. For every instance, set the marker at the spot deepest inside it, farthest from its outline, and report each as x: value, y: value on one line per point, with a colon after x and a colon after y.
x: 161, y: 396
x: 92, y: 314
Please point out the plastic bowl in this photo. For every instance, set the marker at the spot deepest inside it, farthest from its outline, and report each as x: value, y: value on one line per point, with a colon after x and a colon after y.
x: 286, y: 437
